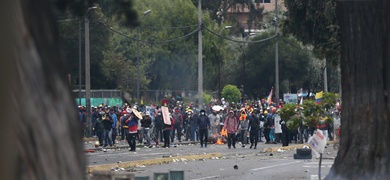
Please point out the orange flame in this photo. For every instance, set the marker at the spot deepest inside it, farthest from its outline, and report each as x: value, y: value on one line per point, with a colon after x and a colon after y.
x: 224, y: 132
x: 219, y: 141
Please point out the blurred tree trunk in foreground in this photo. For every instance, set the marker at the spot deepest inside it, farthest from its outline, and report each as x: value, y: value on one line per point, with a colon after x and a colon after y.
x: 40, y: 131
x: 365, y: 62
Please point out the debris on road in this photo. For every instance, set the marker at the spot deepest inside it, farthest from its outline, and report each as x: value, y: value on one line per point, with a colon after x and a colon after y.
x: 140, y: 166
x: 280, y: 150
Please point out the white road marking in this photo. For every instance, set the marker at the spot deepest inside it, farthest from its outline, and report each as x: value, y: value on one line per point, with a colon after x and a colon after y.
x: 312, y: 166
x: 209, y: 177
x: 323, y: 163
x: 267, y: 167
x: 313, y: 177
x: 130, y: 154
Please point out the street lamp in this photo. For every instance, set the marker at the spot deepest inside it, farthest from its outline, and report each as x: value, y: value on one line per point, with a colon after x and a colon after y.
x: 219, y: 61
x: 138, y: 39
x: 87, y: 70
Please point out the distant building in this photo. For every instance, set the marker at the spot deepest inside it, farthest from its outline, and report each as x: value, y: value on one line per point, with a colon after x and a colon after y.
x: 241, y: 13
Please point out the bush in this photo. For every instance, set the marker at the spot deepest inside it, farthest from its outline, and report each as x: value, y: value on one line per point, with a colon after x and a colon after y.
x: 231, y: 93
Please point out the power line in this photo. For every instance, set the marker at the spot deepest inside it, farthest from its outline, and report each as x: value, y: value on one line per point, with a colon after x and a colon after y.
x: 292, y: 45
x: 170, y: 27
x: 148, y: 41
x: 239, y: 41
x: 67, y: 20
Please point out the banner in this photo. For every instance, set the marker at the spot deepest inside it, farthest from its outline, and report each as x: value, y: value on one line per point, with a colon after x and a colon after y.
x: 278, y: 126
x: 318, y: 142
x: 290, y: 98
x: 165, y: 113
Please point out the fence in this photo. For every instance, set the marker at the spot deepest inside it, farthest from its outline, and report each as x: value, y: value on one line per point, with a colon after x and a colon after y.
x: 116, y: 97
x: 107, y: 97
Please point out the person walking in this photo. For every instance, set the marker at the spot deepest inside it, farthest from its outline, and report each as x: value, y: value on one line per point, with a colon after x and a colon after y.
x: 167, y: 131
x: 99, y: 129
x: 285, y: 133
x: 159, y: 122
x: 114, y: 126
x: 267, y: 127
x: 215, y: 120
x: 194, y: 126
x: 231, y: 125
x: 178, y: 118
x: 253, y: 128
x: 146, y: 123
x: 243, y: 126
x: 132, y: 123
x: 107, y: 123
x: 203, y: 126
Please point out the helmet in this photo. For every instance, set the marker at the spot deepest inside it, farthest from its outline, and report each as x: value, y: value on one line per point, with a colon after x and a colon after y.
x: 265, y: 112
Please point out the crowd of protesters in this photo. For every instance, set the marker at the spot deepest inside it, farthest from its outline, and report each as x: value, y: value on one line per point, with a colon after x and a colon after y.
x: 246, y: 123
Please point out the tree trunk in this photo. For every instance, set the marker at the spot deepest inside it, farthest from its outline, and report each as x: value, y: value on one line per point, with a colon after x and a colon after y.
x: 40, y: 129
x: 365, y: 63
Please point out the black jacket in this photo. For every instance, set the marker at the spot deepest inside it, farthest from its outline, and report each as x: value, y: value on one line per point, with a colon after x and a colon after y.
x: 254, y: 123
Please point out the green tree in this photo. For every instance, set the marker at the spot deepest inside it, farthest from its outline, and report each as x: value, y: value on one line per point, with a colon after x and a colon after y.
x: 168, y: 65
x: 231, y: 93
x: 314, y: 23
x: 256, y: 69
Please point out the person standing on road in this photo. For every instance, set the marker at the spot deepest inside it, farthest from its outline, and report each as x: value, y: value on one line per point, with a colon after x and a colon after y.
x: 194, y: 126
x: 107, y: 122
x: 124, y: 127
x: 231, y: 125
x: 215, y: 120
x: 253, y: 128
x: 167, y: 131
x: 159, y: 122
x: 114, y: 125
x: 99, y: 128
x: 261, y: 126
x: 203, y: 126
x: 132, y: 123
x: 243, y: 126
x: 178, y: 118
x: 285, y: 133
x: 267, y: 127
x: 146, y: 123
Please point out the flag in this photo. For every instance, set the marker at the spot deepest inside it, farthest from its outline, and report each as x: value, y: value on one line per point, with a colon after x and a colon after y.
x: 319, y: 97
x: 269, y: 98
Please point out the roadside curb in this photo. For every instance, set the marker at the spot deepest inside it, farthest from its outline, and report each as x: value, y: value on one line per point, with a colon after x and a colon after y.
x: 100, y: 148
x: 107, y: 167
x: 273, y: 149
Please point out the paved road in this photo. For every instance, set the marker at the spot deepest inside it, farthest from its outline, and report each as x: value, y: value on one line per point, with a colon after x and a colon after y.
x: 252, y: 164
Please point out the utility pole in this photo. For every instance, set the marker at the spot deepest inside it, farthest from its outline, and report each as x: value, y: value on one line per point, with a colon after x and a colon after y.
x: 138, y: 61
x: 79, y: 62
x: 87, y: 74
x: 138, y: 73
x: 276, y: 54
x: 200, y: 63
x: 325, y: 77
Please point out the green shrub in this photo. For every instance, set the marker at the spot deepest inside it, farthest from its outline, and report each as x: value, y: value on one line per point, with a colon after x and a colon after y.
x: 231, y: 93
